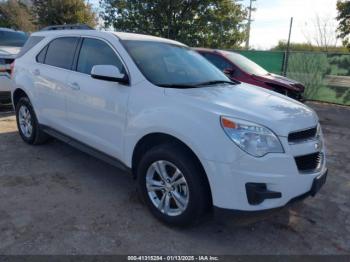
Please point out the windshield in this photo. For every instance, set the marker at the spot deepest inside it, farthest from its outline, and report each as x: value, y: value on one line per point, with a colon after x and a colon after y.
x: 245, y: 64
x: 11, y: 38
x: 171, y: 65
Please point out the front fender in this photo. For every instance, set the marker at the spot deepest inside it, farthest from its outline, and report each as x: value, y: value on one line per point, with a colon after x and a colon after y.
x: 196, y: 127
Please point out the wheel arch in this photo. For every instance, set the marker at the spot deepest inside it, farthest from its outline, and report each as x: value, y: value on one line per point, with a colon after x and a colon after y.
x: 155, y: 139
x: 17, y: 94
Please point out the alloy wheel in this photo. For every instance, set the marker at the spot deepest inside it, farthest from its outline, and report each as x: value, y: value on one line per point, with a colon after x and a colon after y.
x: 167, y: 188
x: 25, y: 121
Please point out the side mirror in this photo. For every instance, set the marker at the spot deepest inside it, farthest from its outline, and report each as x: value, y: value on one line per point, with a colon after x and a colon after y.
x: 229, y: 71
x: 109, y: 73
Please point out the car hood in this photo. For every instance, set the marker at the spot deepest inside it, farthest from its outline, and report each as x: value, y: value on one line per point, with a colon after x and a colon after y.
x: 280, y: 80
x: 277, y: 112
x: 9, y: 51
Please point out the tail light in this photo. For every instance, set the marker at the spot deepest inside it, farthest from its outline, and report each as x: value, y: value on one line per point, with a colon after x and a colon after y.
x: 12, y: 68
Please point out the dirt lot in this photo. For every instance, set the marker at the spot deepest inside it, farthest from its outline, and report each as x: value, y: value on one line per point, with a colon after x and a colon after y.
x: 57, y: 200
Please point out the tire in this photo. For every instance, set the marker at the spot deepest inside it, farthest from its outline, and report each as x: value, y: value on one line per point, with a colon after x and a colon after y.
x: 188, y: 198
x: 27, y: 123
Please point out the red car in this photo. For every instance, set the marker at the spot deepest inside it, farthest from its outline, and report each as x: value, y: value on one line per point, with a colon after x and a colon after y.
x: 238, y: 67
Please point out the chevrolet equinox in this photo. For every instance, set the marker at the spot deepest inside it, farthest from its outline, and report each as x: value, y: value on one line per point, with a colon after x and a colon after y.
x: 193, y: 139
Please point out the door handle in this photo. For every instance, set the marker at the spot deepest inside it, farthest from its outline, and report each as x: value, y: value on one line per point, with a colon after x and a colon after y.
x: 74, y: 86
x: 36, y: 72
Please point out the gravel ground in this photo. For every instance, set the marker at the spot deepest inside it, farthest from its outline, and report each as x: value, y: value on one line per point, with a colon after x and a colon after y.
x: 57, y: 200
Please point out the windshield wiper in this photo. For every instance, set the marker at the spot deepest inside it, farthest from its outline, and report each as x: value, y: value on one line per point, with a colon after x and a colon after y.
x: 216, y: 82
x: 178, y: 85
x: 208, y: 83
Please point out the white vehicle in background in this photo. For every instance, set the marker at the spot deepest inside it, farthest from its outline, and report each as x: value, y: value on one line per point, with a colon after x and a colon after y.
x: 192, y: 138
x: 10, y: 45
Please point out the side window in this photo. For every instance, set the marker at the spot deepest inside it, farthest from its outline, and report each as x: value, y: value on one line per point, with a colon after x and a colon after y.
x: 96, y: 52
x: 40, y: 58
x: 60, y: 52
x: 217, y: 61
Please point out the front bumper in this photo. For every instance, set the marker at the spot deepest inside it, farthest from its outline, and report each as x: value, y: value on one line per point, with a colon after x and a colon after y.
x: 277, y: 172
x: 313, y: 191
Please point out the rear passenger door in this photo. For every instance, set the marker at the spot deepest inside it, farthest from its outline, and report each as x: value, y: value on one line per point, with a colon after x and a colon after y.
x: 50, y: 72
x: 96, y: 109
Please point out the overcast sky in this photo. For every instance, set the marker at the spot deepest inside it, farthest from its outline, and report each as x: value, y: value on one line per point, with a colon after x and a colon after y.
x: 272, y: 17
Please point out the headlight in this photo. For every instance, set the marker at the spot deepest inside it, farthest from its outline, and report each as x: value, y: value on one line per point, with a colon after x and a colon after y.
x: 252, y: 138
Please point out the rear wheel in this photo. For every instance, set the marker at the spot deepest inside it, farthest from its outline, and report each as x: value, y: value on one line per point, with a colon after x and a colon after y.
x: 172, y: 185
x: 27, y: 123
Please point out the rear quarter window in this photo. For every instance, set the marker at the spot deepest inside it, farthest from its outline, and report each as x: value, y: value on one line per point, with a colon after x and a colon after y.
x: 40, y: 58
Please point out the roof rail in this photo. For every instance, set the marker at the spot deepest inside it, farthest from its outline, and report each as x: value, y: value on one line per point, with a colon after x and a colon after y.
x: 67, y: 27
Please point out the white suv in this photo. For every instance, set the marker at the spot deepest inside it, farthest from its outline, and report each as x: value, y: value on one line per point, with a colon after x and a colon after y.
x: 193, y: 139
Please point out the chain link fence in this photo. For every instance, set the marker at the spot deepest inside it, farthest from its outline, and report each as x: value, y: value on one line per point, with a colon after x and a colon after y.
x: 326, y: 76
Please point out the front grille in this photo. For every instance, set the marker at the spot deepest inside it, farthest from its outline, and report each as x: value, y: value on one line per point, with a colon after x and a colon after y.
x: 303, y: 135
x: 309, y: 163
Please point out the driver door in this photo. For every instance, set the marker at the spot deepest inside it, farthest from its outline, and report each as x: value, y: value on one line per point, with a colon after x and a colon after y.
x: 96, y: 109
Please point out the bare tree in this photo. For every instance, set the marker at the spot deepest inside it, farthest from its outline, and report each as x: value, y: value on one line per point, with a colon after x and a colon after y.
x: 323, y: 33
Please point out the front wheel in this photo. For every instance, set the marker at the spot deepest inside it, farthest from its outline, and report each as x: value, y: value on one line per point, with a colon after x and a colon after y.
x: 173, y: 186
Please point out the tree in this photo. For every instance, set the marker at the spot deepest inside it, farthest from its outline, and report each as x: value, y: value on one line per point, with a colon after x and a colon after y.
x: 323, y: 33
x: 58, y: 12
x: 16, y: 15
x: 194, y: 22
x: 343, y: 18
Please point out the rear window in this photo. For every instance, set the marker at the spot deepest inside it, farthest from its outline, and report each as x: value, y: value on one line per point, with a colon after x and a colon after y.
x: 9, y: 38
x: 60, y: 52
x: 31, y: 42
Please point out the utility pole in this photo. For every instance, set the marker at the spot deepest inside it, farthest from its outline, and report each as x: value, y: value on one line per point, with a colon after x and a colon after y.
x: 285, y: 67
x: 250, y: 10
